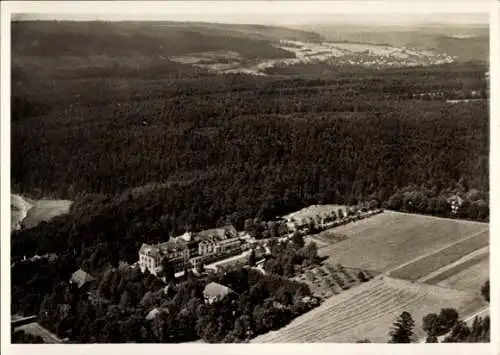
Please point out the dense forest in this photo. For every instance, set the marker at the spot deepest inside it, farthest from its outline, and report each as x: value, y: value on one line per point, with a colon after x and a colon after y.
x: 149, y: 159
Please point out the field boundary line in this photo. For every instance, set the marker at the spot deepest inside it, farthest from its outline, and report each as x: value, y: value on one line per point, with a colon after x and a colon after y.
x: 388, y: 272
x: 472, y: 255
x: 440, y: 218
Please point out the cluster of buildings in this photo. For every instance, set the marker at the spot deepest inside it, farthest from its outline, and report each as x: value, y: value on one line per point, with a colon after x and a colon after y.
x: 327, y: 220
x: 214, y: 248
x: 192, y: 249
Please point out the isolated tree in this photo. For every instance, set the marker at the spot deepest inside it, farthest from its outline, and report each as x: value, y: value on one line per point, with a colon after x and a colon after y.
x: 289, y: 269
x: 402, y: 330
x: 459, y: 333
x: 200, y: 267
x: 251, y: 258
x: 362, y: 277
x: 485, y: 290
x: 430, y: 324
x: 311, y: 252
x: 298, y: 240
x: 448, y: 318
x: 366, y: 340
x: 124, y: 301
x: 167, y: 270
x: 431, y: 339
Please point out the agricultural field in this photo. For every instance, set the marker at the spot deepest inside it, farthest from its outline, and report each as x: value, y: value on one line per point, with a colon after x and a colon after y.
x: 391, y: 239
x: 328, y: 280
x: 434, y: 261
x: 467, y: 275
x: 428, y: 263
x: 368, y: 310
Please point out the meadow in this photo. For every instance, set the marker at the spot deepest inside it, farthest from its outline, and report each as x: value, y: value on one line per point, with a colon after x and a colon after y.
x: 388, y: 240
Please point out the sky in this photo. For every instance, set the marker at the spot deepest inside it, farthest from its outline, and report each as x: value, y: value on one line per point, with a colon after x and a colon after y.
x: 265, y: 12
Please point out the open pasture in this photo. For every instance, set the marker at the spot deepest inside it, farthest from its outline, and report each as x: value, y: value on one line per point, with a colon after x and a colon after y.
x: 391, y: 239
x: 368, y: 311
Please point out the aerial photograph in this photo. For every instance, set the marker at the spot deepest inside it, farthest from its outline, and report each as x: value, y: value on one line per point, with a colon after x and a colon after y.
x: 206, y: 178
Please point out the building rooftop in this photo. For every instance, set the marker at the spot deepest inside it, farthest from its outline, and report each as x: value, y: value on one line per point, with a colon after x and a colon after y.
x: 81, y: 278
x: 172, y: 245
x: 226, y: 232
x: 149, y: 250
x: 155, y: 312
x: 213, y: 289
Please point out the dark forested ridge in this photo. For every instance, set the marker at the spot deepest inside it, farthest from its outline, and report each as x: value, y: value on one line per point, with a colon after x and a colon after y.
x: 152, y: 157
x: 146, y: 155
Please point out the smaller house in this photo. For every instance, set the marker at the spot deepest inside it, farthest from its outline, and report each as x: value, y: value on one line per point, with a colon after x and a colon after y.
x: 215, y: 292
x: 186, y: 237
x: 81, y: 278
x: 455, y: 203
x: 154, y: 313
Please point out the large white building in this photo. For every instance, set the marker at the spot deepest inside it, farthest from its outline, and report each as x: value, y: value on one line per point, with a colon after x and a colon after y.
x: 191, y: 249
x: 151, y: 256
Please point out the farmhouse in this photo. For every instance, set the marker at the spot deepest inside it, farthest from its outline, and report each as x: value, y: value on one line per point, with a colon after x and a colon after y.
x: 455, y: 203
x: 215, y: 292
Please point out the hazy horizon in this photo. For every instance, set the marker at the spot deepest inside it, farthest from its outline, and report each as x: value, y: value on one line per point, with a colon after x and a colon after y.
x: 282, y: 19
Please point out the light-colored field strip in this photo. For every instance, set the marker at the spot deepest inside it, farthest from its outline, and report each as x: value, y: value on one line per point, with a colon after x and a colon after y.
x: 386, y: 241
x: 472, y: 278
x: 433, y: 252
x: 456, y: 267
x: 430, y: 262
